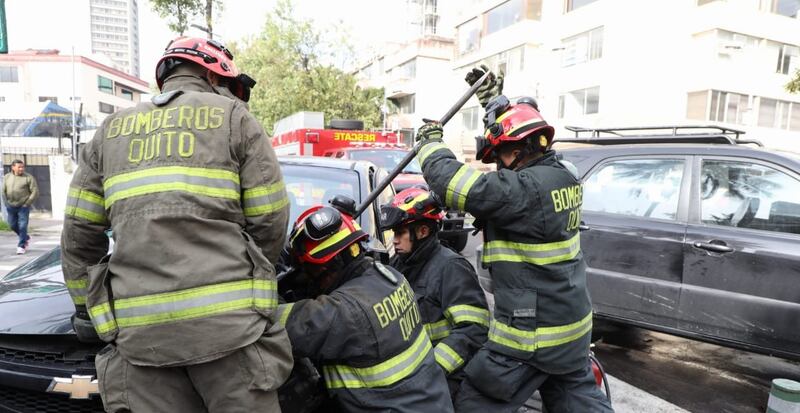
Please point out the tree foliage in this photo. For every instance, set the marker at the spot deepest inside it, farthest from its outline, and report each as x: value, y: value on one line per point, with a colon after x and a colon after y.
x: 179, y: 12
x: 290, y: 59
x: 794, y: 85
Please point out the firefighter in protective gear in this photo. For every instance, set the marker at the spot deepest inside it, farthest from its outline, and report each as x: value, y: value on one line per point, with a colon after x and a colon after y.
x: 194, y: 195
x: 529, y: 211
x: 364, y: 328
x: 450, y: 299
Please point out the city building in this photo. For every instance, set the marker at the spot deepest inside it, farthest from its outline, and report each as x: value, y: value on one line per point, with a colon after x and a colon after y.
x: 614, y: 63
x: 47, y: 75
x: 107, y: 31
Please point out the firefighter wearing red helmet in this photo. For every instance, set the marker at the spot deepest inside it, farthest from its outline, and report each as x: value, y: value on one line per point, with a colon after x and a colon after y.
x: 450, y: 299
x: 362, y: 327
x: 193, y: 192
x: 529, y: 210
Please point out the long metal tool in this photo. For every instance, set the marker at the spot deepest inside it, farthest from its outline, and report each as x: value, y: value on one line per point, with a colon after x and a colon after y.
x: 412, y: 154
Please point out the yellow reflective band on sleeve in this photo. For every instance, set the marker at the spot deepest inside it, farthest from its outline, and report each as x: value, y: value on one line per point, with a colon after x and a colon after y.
x: 539, y: 254
x: 265, y: 199
x: 428, y: 149
x: 102, y: 318
x: 380, y: 375
x: 459, y: 186
x: 282, y: 313
x: 85, y: 204
x: 215, y: 183
x: 438, y: 330
x: 447, y: 357
x: 77, y: 290
x: 189, y: 304
x: 467, y: 314
x: 542, y: 337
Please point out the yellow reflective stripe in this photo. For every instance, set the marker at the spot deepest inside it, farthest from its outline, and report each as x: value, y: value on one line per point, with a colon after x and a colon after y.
x: 102, y: 318
x: 85, y: 195
x: 186, y: 304
x: 447, y: 357
x: 438, y: 330
x: 342, y: 234
x: 464, y: 313
x: 282, y: 313
x: 264, y: 199
x: 459, y: 186
x: 216, y: 183
x: 77, y: 289
x: 526, y: 123
x: 85, y: 204
x: 540, y: 254
x: 87, y: 215
x: 382, y: 374
x: 413, y: 201
x: 429, y: 149
x: 541, y: 337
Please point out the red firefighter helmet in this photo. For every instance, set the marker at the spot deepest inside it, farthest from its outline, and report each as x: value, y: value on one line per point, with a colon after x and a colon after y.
x: 321, y: 232
x: 515, y: 123
x: 411, y: 205
x: 209, y: 54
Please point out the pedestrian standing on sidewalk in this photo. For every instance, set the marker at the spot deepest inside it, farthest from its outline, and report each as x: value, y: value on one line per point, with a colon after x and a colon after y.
x: 20, y: 191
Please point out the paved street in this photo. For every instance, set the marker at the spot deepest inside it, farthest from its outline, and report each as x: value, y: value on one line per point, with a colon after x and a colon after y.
x: 45, y: 235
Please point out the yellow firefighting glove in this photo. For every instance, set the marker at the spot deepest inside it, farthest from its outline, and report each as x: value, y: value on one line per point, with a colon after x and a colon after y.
x: 491, y: 88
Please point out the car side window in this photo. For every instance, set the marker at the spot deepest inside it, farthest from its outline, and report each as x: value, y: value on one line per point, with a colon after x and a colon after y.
x: 647, y: 188
x: 748, y: 195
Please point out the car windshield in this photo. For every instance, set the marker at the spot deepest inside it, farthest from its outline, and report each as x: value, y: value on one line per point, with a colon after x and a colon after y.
x: 386, y: 159
x: 307, y: 186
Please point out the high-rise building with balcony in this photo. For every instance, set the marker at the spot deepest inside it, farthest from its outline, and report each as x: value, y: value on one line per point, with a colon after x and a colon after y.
x: 115, y: 32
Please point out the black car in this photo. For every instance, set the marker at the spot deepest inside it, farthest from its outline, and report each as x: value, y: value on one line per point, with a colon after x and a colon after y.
x: 692, y: 231
x: 43, y: 367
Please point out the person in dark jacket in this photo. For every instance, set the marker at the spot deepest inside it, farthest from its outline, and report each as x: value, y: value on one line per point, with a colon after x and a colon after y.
x: 450, y: 299
x: 362, y: 328
x: 529, y: 210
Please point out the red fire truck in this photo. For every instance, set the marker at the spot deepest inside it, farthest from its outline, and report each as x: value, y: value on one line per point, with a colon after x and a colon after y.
x: 305, y: 134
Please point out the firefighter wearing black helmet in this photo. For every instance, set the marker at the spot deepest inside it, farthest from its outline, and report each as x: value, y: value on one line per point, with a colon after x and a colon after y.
x: 450, y: 299
x: 363, y: 327
x: 529, y: 210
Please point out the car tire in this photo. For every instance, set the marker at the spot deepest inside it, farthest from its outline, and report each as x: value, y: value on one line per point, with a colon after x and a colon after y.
x: 346, y: 124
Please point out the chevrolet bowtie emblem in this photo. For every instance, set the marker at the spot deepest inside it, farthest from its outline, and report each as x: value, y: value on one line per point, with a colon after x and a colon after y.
x: 78, y: 387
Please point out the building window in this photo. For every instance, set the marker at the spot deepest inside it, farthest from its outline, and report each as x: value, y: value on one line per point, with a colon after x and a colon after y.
x: 9, y: 74
x: 534, y: 10
x: 405, y: 104
x: 788, y: 8
x: 3, y: 99
x: 574, y: 4
x: 407, y: 70
x: 126, y: 94
x: 503, y: 16
x: 105, y: 84
x: 728, y: 107
x: 579, y: 102
x: 469, y: 35
x: 788, y: 59
x: 779, y: 114
x: 106, y: 108
x: 50, y: 98
x: 583, y: 47
x: 471, y: 119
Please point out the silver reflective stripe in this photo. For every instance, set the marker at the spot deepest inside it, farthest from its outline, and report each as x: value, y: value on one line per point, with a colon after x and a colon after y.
x: 282, y: 313
x: 459, y: 186
x: 542, y: 337
x: 164, y: 179
x: 428, y: 149
x: 468, y: 313
x: 382, y: 374
x: 174, y: 306
x: 87, y: 206
x: 438, y: 330
x: 447, y: 357
x: 264, y: 199
x: 540, y: 254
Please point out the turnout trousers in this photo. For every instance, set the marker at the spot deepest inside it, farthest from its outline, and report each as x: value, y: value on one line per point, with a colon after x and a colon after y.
x: 245, y: 380
x: 497, y: 383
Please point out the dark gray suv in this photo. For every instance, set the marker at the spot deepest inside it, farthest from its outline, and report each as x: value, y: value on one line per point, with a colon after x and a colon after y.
x: 690, y: 231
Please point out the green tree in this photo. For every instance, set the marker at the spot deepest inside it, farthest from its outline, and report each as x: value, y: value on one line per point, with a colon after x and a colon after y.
x: 290, y: 60
x: 179, y: 12
x: 794, y: 85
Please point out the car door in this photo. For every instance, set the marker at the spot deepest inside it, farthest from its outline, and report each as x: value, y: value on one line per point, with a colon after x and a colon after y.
x: 742, y: 254
x: 634, y: 214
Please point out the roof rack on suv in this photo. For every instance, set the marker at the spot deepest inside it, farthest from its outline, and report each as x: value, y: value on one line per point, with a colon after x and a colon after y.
x: 650, y: 134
